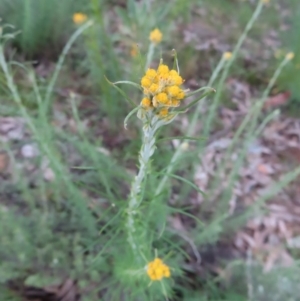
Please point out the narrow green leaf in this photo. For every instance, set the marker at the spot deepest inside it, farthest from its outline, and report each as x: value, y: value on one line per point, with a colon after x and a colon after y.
x: 197, y: 91
x: 195, y: 101
x: 121, y: 92
x: 181, y: 138
x: 129, y: 115
x: 175, y: 64
x: 187, y: 182
x: 127, y: 82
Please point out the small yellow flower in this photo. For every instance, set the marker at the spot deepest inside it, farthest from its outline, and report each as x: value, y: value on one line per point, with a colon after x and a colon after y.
x: 173, y: 73
x: 150, y: 73
x: 174, y: 91
x: 163, y: 112
x: 155, y: 36
x: 156, y: 269
x: 163, y: 69
x: 153, y: 88
x: 79, y: 18
x: 289, y: 56
x: 145, y: 82
x: 146, y: 102
x: 185, y: 146
x: 177, y: 80
x: 265, y: 1
x: 227, y: 55
x: 162, y: 98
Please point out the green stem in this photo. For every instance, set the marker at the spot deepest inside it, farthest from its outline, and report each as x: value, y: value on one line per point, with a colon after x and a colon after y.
x: 212, y: 111
x: 213, y: 108
x: 60, y: 62
x: 149, y: 55
x: 135, y: 199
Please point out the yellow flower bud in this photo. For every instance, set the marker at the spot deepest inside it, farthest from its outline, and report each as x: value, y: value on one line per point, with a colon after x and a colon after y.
x: 162, y: 98
x: 173, y: 73
x: 163, y: 113
x: 227, y: 55
x: 145, y: 82
x: 146, y: 102
x: 155, y: 36
x: 289, y: 56
x: 177, y: 80
x: 173, y: 90
x: 163, y: 69
x: 153, y: 88
x: 79, y: 18
x: 150, y: 73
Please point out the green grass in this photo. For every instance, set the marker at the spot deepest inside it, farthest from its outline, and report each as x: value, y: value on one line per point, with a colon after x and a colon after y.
x: 75, y: 225
x: 44, y: 26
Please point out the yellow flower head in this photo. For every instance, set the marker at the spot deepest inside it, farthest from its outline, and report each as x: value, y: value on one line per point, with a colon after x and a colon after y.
x: 289, y: 56
x: 162, y: 98
x: 146, y: 82
x: 163, y: 112
x: 153, y: 89
x: 163, y: 69
x: 79, y: 18
x: 162, y: 88
x: 227, y: 55
x: 150, y: 73
x: 155, y: 36
x: 146, y: 102
x: 156, y: 269
x: 174, y: 91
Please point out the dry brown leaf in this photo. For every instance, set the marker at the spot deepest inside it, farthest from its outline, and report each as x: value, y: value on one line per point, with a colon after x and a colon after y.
x: 4, y: 161
x: 277, y: 100
x: 11, y: 128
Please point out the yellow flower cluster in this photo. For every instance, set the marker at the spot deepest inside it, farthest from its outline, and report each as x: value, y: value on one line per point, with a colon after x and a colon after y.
x: 162, y: 89
x: 156, y: 270
x: 79, y: 18
x: 155, y: 36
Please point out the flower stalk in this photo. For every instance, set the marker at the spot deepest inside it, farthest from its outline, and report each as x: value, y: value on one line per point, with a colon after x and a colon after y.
x: 135, y: 198
x: 162, y: 93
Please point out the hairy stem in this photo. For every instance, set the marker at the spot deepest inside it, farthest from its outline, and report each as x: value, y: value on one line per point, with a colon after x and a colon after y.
x: 135, y: 198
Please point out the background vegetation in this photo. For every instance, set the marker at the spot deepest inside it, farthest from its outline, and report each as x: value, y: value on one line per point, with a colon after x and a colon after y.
x: 66, y: 161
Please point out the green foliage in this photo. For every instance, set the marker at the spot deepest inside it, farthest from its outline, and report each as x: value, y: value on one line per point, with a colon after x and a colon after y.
x: 290, y: 79
x: 44, y: 25
x: 74, y: 225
